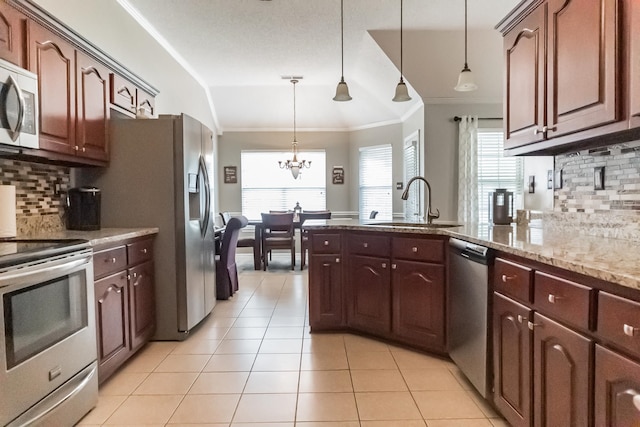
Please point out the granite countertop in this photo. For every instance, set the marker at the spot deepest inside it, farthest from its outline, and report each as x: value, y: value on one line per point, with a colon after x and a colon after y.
x: 97, y: 237
x: 609, y: 259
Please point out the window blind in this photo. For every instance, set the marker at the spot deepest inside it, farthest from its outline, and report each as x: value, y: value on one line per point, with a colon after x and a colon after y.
x: 375, y: 181
x: 496, y: 171
x: 266, y: 187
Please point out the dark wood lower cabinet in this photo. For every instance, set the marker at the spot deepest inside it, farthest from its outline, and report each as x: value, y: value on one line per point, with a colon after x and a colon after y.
x: 325, y: 300
x: 561, y: 370
x: 418, y: 301
x: 617, y: 390
x: 142, y: 303
x: 112, y: 322
x: 369, y: 292
x: 512, y: 360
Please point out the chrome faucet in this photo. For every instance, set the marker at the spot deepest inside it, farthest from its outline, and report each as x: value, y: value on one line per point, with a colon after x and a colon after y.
x: 430, y: 216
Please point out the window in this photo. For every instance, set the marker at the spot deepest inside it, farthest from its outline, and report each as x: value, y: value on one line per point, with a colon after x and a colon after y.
x: 411, y: 169
x: 266, y: 187
x: 375, y: 181
x: 496, y: 171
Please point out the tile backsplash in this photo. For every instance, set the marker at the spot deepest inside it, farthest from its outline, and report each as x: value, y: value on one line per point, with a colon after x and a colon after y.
x: 621, y: 193
x: 37, y: 205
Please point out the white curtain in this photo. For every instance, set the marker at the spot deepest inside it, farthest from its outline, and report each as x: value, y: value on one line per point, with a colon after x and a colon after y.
x: 468, y: 169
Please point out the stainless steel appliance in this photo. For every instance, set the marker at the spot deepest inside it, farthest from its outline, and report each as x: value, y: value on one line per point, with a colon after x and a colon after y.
x: 48, y: 369
x: 160, y: 175
x: 501, y: 207
x: 83, y: 208
x: 18, y: 106
x: 468, y: 311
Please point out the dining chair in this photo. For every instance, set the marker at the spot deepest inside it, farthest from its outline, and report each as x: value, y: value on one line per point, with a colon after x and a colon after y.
x: 304, y: 235
x: 245, y: 242
x: 226, y: 268
x: 277, y: 233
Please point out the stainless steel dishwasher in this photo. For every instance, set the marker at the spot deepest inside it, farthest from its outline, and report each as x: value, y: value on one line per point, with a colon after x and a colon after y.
x: 468, y: 311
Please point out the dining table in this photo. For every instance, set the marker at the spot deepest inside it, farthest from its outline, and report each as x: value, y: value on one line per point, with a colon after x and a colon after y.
x: 258, y: 227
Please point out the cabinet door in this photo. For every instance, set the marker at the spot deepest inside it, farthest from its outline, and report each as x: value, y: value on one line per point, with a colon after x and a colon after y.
x: 634, y: 61
x: 145, y: 103
x: 12, y: 35
x: 93, y: 108
x: 53, y: 60
x: 123, y: 94
x: 582, y: 65
x: 370, y: 294
x: 617, y: 390
x: 325, y: 292
x: 524, y: 91
x: 512, y: 360
x: 112, y: 322
x: 561, y: 363
x: 418, y: 291
x: 142, y: 305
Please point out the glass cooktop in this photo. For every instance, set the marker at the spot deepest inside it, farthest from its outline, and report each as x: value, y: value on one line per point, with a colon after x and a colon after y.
x: 18, y: 251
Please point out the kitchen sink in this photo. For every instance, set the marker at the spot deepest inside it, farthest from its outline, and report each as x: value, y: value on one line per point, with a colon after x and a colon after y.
x: 415, y: 224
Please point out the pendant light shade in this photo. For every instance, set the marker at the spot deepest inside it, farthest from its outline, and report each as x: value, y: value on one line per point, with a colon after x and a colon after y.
x: 342, y: 91
x: 402, y: 93
x: 294, y: 165
x: 466, y: 82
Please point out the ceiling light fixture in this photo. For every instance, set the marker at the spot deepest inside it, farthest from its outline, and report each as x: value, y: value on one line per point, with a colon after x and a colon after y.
x: 465, y: 79
x: 294, y: 165
x: 402, y: 93
x: 342, y: 91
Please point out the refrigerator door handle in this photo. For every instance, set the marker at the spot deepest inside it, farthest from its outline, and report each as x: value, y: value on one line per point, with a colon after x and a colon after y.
x: 204, y: 220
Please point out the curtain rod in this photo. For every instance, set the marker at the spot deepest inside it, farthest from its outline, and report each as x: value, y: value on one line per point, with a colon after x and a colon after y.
x: 458, y: 118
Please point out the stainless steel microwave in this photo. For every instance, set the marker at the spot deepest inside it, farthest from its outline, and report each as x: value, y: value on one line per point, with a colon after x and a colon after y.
x: 18, y: 106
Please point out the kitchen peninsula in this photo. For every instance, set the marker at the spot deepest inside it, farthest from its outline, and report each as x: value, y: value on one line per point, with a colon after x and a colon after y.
x: 564, y: 307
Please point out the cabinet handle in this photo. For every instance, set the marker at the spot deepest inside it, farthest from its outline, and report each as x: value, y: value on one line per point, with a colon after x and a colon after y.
x: 337, y: 260
x: 414, y: 249
x: 76, y: 148
x: 384, y: 265
x: 629, y: 330
x: 394, y: 266
x: 520, y: 318
x: 111, y: 260
x: 365, y: 244
x: 144, y: 251
x: 537, y: 131
x: 506, y: 278
x: 550, y: 129
x: 326, y: 243
x: 84, y: 149
x: 553, y: 298
x: 636, y: 401
x: 532, y: 325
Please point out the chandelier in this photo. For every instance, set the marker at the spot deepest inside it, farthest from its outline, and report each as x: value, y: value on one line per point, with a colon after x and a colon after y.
x: 294, y: 165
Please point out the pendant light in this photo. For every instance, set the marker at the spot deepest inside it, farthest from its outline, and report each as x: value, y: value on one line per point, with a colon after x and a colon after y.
x: 402, y: 93
x: 294, y: 165
x: 342, y: 91
x: 465, y: 80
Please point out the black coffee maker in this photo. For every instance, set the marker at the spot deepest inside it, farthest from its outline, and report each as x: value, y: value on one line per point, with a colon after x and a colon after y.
x: 83, y: 208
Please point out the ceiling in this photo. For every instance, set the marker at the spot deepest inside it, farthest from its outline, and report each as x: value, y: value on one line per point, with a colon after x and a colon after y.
x: 240, y: 49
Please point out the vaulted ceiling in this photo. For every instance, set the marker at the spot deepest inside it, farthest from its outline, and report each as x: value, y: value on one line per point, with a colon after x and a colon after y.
x: 240, y: 49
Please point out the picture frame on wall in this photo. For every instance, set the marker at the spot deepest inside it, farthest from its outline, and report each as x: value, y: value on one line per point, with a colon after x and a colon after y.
x: 230, y: 174
x: 338, y: 175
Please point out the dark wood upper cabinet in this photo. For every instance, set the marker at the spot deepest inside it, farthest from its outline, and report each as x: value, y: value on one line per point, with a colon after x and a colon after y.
x: 12, y: 35
x: 93, y: 108
x: 633, y: 35
x: 564, y: 75
x: 146, y: 103
x: 123, y: 94
x: 53, y: 60
x: 524, y: 83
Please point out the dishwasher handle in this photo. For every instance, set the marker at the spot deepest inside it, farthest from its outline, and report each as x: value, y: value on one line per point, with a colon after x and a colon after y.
x: 471, y: 251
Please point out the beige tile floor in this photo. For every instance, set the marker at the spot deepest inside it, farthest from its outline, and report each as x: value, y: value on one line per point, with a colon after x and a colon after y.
x: 254, y: 363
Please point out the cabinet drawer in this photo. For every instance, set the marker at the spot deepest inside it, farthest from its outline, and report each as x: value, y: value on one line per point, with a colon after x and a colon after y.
x: 140, y: 251
x: 619, y: 321
x: 426, y: 250
x: 325, y: 244
x: 368, y: 244
x: 513, y: 279
x: 123, y: 93
x: 109, y: 261
x: 564, y: 300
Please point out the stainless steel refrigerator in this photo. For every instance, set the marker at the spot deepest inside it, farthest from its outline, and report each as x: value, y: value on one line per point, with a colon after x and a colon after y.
x: 161, y: 175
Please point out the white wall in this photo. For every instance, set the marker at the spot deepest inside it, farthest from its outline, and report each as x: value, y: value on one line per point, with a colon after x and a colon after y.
x: 109, y: 27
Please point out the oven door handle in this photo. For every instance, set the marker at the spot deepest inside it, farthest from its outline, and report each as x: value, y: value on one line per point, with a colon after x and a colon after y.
x: 7, y: 276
